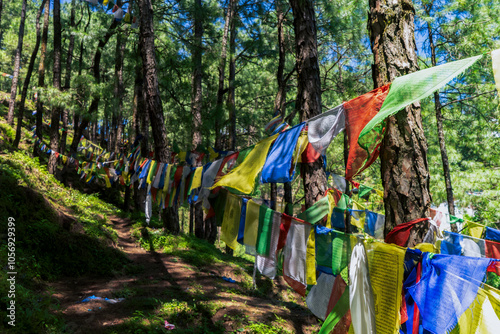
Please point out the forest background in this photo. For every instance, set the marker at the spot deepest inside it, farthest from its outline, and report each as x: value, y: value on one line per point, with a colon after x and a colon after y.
x: 194, y: 42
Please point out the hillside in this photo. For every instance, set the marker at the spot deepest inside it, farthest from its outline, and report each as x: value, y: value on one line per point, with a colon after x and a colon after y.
x: 71, y: 245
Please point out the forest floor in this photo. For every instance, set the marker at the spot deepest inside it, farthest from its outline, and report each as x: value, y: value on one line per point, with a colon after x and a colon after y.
x: 165, y: 287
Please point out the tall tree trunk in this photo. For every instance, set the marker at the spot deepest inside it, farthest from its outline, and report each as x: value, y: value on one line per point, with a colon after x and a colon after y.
x: 140, y: 126
x: 153, y: 103
x: 439, y: 121
x: 117, y: 127
x: 280, y: 100
x: 308, y: 102
x: 403, y: 153
x: 231, y: 97
x: 219, y: 107
x: 76, y: 115
x: 27, y: 80
x: 94, y: 105
x: 67, y: 79
x: 17, y: 65
x: 56, y: 111
x: 197, y: 104
x: 41, y: 77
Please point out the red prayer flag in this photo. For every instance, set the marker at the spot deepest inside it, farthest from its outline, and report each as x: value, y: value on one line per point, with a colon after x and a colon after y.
x: 359, y: 112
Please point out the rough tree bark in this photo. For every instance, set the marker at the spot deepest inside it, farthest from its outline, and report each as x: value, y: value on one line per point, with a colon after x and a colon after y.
x: 153, y: 103
x: 94, y: 105
x: 41, y: 77
x: 56, y: 110
x: 280, y: 100
x: 440, y: 131
x: 17, y: 65
x: 219, y: 114
x: 196, y: 105
x: 117, y: 114
x: 308, y: 102
x: 403, y: 153
x: 67, y: 79
x: 27, y: 80
x: 76, y: 115
x: 140, y: 127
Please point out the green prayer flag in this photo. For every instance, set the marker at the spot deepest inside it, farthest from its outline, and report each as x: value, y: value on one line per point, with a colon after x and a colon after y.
x: 454, y: 220
x: 316, y: 212
x: 364, y: 191
x: 341, y: 249
x: 343, y: 203
x: 406, y: 90
x: 265, y: 229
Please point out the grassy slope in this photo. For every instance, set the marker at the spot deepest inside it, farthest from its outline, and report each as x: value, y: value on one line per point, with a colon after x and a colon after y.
x: 59, y: 232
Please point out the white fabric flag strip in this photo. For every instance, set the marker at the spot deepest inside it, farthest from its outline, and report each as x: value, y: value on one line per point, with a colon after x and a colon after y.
x: 157, y: 179
x: 207, y: 181
x: 317, y: 299
x: 495, y: 59
x: 294, y: 254
x: 360, y: 292
x: 323, y: 128
x: 267, y: 264
x: 338, y: 182
x: 148, y: 205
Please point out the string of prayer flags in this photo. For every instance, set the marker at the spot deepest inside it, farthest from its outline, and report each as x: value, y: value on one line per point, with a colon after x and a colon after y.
x: 451, y: 280
x: 243, y: 177
x: 322, y: 129
x: 404, y: 91
x: 495, y: 60
x: 278, y: 165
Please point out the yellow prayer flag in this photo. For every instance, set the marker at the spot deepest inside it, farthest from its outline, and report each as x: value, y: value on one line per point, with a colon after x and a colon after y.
x: 242, y: 178
x: 196, y: 178
x: 108, y: 184
x: 182, y: 156
x: 311, y: 258
x: 302, y: 143
x: 151, y: 172
x: 358, y: 219
x: 231, y: 221
x: 386, y: 267
x: 482, y: 317
x: 474, y: 230
x: 251, y: 224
